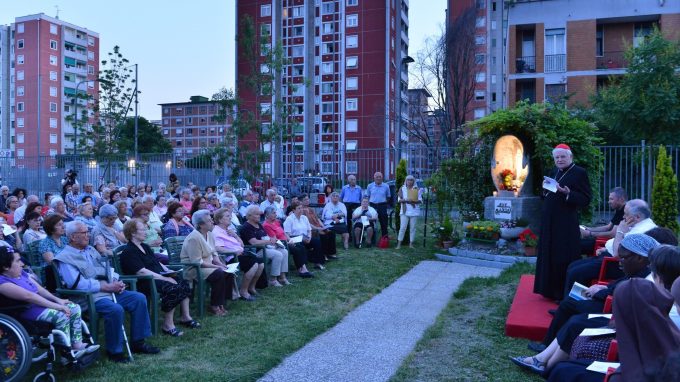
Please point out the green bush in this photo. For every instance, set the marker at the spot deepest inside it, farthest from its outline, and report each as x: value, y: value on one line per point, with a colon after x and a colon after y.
x: 665, y: 193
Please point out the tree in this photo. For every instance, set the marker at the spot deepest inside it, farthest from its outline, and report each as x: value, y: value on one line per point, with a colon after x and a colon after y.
x: 665, y: 193
x: 645, y: 102
x: 149, y: 138
x: 447, y: 69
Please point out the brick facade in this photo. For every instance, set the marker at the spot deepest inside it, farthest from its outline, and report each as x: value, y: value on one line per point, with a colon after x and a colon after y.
x: 581, y: 45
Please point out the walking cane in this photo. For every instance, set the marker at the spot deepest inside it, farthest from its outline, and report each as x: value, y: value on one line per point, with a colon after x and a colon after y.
x: 109, y: 271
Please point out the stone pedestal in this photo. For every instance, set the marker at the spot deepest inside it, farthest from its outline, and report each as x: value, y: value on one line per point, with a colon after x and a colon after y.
x: 506, y: 208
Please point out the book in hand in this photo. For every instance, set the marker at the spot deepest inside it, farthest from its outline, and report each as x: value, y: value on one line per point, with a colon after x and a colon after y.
x: 169, y: 273
x: 578, y: 292
x: 232, y: 268
x: 549, y: 184
x: 295, y: 240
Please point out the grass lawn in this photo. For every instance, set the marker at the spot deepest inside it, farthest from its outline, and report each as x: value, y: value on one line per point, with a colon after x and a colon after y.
x: 467, y: 343
x: 257, y: 336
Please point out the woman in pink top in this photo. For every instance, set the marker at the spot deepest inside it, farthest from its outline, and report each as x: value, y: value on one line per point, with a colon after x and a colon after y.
x: 226, y: 241
x: 273, y: 227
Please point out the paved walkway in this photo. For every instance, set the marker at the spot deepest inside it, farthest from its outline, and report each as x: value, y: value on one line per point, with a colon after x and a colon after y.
x: 371, y: 342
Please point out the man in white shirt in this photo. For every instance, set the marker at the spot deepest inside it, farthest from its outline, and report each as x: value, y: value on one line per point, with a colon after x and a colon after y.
x: 21, y: 211
x: 334, y: 216
x: 271, y: 201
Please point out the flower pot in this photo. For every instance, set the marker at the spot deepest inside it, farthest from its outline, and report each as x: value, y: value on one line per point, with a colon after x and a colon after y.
x: 447, y: 244
x: 530, y: 251
x: 511, y: 233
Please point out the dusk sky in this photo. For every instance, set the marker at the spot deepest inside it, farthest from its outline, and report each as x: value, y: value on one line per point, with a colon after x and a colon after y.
x: 182, y: 48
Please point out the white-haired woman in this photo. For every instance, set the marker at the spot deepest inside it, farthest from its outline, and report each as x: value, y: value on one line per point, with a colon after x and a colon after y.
x: 58, y: 206
x: 86, y: 215
x: 409, y: 197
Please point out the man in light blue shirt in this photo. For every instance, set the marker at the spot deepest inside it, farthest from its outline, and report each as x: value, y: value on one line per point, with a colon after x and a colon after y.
x: 378, y: 194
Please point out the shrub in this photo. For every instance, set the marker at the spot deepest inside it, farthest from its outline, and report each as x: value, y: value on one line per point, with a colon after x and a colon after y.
x: 665, y: 193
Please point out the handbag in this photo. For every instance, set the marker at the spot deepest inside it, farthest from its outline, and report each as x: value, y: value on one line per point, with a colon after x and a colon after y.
x: 384, y: 242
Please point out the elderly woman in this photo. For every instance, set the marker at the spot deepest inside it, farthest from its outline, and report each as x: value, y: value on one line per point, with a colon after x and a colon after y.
x: 199, y: 247
x: 121, y: 214
x: 185, y: 199
x: 162, y: 190
x: 199, y: 203
x: 58, y: 207
x: 334, y: 215
x: 297, y: 224
x: 138, y: 259
x: 105, y: 238
x: 273, y: 227
x: 153, y: 237
x: 86, y: 216
x: 327, y: 240
x: 114, y: 196
x: 11, y: 204
x: 160, y: 208
x: 278, y: 256
x: 177, y: 225
x: 227, y: 241
x: 34, y: 231
x: 371, y: 217
x: 213, y: 202
x: 154, y: 222
x: 409, y: 197
x: 16, y: 284
x: 55, y: 240
x: 251, y: 264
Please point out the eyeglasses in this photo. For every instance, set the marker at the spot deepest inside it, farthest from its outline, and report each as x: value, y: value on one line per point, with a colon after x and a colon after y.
x: 83, y: 232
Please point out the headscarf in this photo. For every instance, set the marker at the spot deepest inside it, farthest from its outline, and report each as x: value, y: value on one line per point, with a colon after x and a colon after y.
x: 645, y: 333
x: 639, y: 243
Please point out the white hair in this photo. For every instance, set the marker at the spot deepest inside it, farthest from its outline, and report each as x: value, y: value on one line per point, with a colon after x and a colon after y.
x: 55, y: 200
x: 198, y: 217
x: 72, y: 226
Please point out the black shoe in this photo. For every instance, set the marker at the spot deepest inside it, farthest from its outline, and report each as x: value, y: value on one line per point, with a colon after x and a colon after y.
x: 144, y: 348
x: 306, y: 275
x: 552, y: 311
x: 119, y: 358
x: 536, y: 346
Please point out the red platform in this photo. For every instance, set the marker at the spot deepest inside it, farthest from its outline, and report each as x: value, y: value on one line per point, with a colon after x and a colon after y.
x: 528, y: 316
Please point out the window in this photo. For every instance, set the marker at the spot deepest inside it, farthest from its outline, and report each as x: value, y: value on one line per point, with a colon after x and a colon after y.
x: 480, y: 40
x: 298, y: 31
x: 20, y: 153
x: 53, y: 138
x: 352, y: 41
x: 90, y: 55
x: 327, y: 68
x: 555, y: 93
x: 352, y: 62
x: 20, y: 138
x: 20, y: 75
x: 264, y: 68
x: 481, y: 4
x: 20, y: 44
x: 352, y: 83
x: 328, y: 27
x: 479, y: 59
x: 178, y: 142
x: 90, y: 69
x: 480, y: 22
x: 352, y: 104
x: 327, y: 8
x: 493, y: 25
x: 328, y: 48
x: 352, y: 20
x: 480, y: 77
x: 298, y: 50
x: 479, y: 95
x: 351, y: 167
x: 352, y: 3
x: 90, y: 40
x: 20, y: 59
x: 298, y: 11
x: 327, y: 88
x: 53, y: 123
x: 179, y: 132
x: 493, y: 78
x: 265, y: 10
x: 493, y: 6
x: 20, y: 123
x: 265, y: 29
x: 298, y: 70
x: 327, y: 108
x: 53, y: 152
x: 20, y: 91
x: 53, y: 107
x: 20, y: 106
x: 53, y: 60
x: 641, y: 32
x: 265, y: 108
x: 165, y: 131
x: 493, y: 97
x: 53, y: 91
x: 599, y: 41
x: 53, y: 76
x: 555, y: 49
x: 67, y: 108
x: 479, y: 113
x: 20, y: 28
x: 351, y: 125
x: 53, y: 28
x: 53, y: 45
x: 351, y: 145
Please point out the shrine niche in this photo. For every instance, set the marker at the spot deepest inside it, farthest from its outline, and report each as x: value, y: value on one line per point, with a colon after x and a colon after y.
x: 510, y: 166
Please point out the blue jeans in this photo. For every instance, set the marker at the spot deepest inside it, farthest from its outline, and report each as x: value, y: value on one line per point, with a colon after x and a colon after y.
x: 114, y: 317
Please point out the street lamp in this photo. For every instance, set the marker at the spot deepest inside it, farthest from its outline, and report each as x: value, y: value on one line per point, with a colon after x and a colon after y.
x: 404, y: 63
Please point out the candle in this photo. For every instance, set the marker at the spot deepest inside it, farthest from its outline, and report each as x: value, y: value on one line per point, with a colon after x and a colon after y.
x: 495, y: 193
x: 516, y: 193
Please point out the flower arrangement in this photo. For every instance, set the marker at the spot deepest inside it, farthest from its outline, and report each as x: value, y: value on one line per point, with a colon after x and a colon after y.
x: 528, y: 238
x: 483, y: 229
x: 513, y: 223
x: 445, y: 230
x: 507, y: 178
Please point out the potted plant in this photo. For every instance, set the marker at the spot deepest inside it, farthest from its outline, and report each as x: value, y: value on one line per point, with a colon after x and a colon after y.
x: 510, y: 229
x: 529, y: 241
x: 483, y: 230
x: 468, y: 216
x: 445, y: 231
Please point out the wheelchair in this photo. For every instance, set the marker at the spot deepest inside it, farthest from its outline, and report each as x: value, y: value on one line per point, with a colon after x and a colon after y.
x: 23, y: 342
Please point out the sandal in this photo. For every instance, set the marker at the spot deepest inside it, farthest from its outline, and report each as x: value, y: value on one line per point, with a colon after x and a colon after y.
x: 174, y: 332
x: 192, y: 324
x: 535, y: 365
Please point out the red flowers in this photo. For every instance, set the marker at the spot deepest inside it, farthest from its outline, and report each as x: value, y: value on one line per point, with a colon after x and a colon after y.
x: 528, y: 238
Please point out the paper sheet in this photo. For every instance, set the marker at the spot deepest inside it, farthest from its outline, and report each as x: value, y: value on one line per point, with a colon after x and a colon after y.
x: 364, y: 220
x: 577, y: 292
x: 295, y: 240
x: 597, y: 332
x: 232, y: 268
x: 605, y: 315
x: 602, y: 367
x: 550, y: 184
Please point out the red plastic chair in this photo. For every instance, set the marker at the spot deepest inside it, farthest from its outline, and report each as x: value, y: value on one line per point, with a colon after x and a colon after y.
x: 613, y: 353
x: 599, y: 243
x: 608, y: 304
x: 602, y: 278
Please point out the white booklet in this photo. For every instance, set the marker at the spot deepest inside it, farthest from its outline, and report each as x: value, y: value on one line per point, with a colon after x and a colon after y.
x: 597, y: 332
x: 604, y: 315
x: 578, y: 292
x: 550, y: 184
x: 295, y: 240
x: 364, y: 220
x: 232, y: 268
x: 602, y: 367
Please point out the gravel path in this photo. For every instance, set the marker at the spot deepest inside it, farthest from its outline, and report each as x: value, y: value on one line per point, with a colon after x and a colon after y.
x: 371, y: 342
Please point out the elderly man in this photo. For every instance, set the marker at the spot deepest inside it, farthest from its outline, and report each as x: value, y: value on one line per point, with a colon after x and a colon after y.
x: 82, y: 268
x: 334, y: 216
x: 4, y: 194
x: 636, y: 219
x: 378, y: 195
x: 271, y: 202
x: 88, y: 190
x: 559, y: 243
x: 351, y: 194
x: 247, y: 202
x: 73, y: 199
x: 21, y: 211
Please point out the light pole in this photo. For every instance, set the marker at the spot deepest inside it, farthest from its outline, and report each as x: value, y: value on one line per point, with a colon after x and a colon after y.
x: 404, y: 63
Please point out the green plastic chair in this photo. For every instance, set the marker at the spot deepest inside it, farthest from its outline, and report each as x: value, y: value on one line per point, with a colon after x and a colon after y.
x: 174, y: 247
x: 84, y: 299
x: 35, y: 257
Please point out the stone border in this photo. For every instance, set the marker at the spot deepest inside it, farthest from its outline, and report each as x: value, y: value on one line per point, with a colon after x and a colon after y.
x: 464, y: 256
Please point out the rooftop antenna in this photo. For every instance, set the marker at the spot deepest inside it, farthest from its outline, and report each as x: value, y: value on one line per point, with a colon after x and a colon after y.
x: 57, y: 7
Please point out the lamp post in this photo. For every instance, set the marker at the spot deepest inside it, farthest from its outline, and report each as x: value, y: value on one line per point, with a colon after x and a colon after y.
x: 404, y: 63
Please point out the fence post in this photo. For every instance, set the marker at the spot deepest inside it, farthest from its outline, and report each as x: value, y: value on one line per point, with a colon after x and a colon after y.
x: 643, y: 172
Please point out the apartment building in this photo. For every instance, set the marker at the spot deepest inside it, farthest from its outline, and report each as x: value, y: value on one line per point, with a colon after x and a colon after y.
x: 345, y: 83
x: 45, y: 61
x: 572, y: 47
x: 191, y: 127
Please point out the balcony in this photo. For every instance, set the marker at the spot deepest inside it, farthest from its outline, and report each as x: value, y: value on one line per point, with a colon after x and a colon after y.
x: 525, y: 64
x: 612, y: 60
x: 555, y: 63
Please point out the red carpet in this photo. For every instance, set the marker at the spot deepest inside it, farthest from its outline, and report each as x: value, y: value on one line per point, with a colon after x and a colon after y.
x: 528, y: 317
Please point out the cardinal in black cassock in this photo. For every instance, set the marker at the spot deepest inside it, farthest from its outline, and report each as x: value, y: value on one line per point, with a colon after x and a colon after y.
x: 559, y: 238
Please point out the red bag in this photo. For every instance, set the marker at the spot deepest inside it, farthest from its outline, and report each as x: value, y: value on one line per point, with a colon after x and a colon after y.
x: 384, y: 242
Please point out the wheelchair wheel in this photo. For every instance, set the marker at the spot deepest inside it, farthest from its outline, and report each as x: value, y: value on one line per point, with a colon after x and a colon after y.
x: 44, y: 377
x: 16, y: 350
